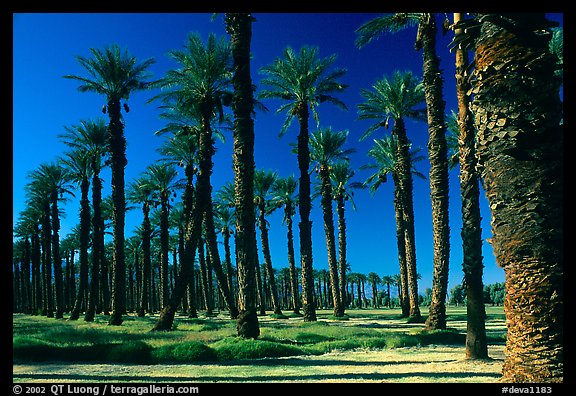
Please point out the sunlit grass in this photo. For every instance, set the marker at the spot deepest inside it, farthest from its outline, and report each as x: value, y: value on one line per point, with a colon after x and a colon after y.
x: 37, y: 338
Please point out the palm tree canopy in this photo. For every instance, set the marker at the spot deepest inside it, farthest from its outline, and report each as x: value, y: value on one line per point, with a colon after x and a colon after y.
x: 387, y: 23
x: 302, y: 79
x: 79, y: 164
x: 284, y: 191
x: 326, y: 146
x: 90, y: 136
x: 140, y: 191
x: 204, y: 75
x: 385, y: 158
x: 180, y: 149
x: 163, y: 178
x: 395, y: 97
x: 263, y: 182
x: 113, y: 72
x: 341, y: 175
x: 50, y: 178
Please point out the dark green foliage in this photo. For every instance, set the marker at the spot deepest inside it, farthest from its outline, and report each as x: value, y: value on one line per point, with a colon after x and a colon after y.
x: 184, y: 352
x: 237, y: 348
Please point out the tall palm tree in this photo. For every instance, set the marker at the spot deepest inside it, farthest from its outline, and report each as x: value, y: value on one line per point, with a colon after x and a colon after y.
x: 201, y: 84
x: 90, y: 136
x: 343, y: 187
x: 476, y: 343
x: 519, y: 145
x: 304, y: 81
x: 397, y: 98
x: 115, y: 74
x: 163, y: 181
x: 263, y: 182
x: 284, y: 195
x: 326, y: 148
x: 225, y: 220
x: 239, y: 28
x: 437, y: 151
x: 388, y: 281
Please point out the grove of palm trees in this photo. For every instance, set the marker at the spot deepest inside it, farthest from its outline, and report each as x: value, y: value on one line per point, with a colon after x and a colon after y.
x: 243, y: 218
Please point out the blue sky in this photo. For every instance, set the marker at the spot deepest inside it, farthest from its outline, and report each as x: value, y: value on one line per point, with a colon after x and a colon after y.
x: 44, y: 49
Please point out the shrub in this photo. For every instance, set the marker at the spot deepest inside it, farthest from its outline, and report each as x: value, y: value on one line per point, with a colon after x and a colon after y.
x: 237, y: 348
x: 190, y: 351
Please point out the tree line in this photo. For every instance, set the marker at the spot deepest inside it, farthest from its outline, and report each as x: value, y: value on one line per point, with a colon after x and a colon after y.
x: 509, y: 138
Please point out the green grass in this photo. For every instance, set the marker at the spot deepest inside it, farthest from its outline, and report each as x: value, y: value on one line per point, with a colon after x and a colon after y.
x: 212, y: 339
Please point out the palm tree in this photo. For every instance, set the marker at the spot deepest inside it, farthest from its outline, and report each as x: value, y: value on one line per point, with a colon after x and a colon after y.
x: 115, y: 74
x: 343, y: 190
x: 374, y: 279
x: 284, y: 195
x: 519, y: 146
x: 201, y: 86
x: 263, y: 182
x: 437, y: 151
x: 388, y: 280
x: 326, y: 148
x: 396, y: 99
x: 225, y: 220
x: 163, y: 182
x: 304, y: 81
x: 461, y: 126
x: 239, y: 27
x: 90, y: 136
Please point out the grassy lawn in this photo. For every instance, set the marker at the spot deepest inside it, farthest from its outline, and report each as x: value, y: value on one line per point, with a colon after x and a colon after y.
x: 368, y: 345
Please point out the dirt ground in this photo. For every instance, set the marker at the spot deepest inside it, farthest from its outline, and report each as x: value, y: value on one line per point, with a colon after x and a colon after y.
x: 437, y: 364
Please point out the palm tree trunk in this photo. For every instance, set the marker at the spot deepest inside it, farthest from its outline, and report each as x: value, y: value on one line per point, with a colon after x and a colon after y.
x: 268, y: 259
x: 437, y: 152
x: 84, y: 240
x: 47, y: 267
x: 146, y: 264
x: 57, y: 262
x: 341, y: 249
x: 305, y: 226
x: 401, y: 243
x: 117, y: 144
x: 476, y: 343
x: 291, y: 261
x: 326, y: 192
x: 406, y: 187
x: 164, y: 246
x: 97, y: 248
x: 239, y: 27
x: 36, y: 277
x: 520, y: 153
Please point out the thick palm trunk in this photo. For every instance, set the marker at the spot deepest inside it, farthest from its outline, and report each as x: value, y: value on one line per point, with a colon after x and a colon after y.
x: 476, y: 343
x: 401, y: 244
x: 268, y: 259
x: 437, y: 152
x: 36, y: 277
x: 519, y: 146
x: 406, y: 188
x: 146, y: 264
x: 84, y: 240
x: 341, y: 249
x: 326, y: 202
x: 57, y: 261
x: 308, y: 307
x: 117, y: 143
x: 239, y: 27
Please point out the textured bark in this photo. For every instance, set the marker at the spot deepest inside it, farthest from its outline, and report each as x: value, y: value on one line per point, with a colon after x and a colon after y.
x: 117, y: 144
x: 144, y: 306
x: 164, y: 249
x: 84, y: 240
x: 97, y: 249
x: 476, y: 343
x: 268, y: 258
x: 401, y: 243
x: 57, y: 262
x: 48, y: 308
x: 404, y: 171
x: 341, y: 248
x: 291, y: 261
x: 437, y: 153
x: 239, y: 27
x: 517, y: 114
x: 326, y: 202
x: 305, y: 225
